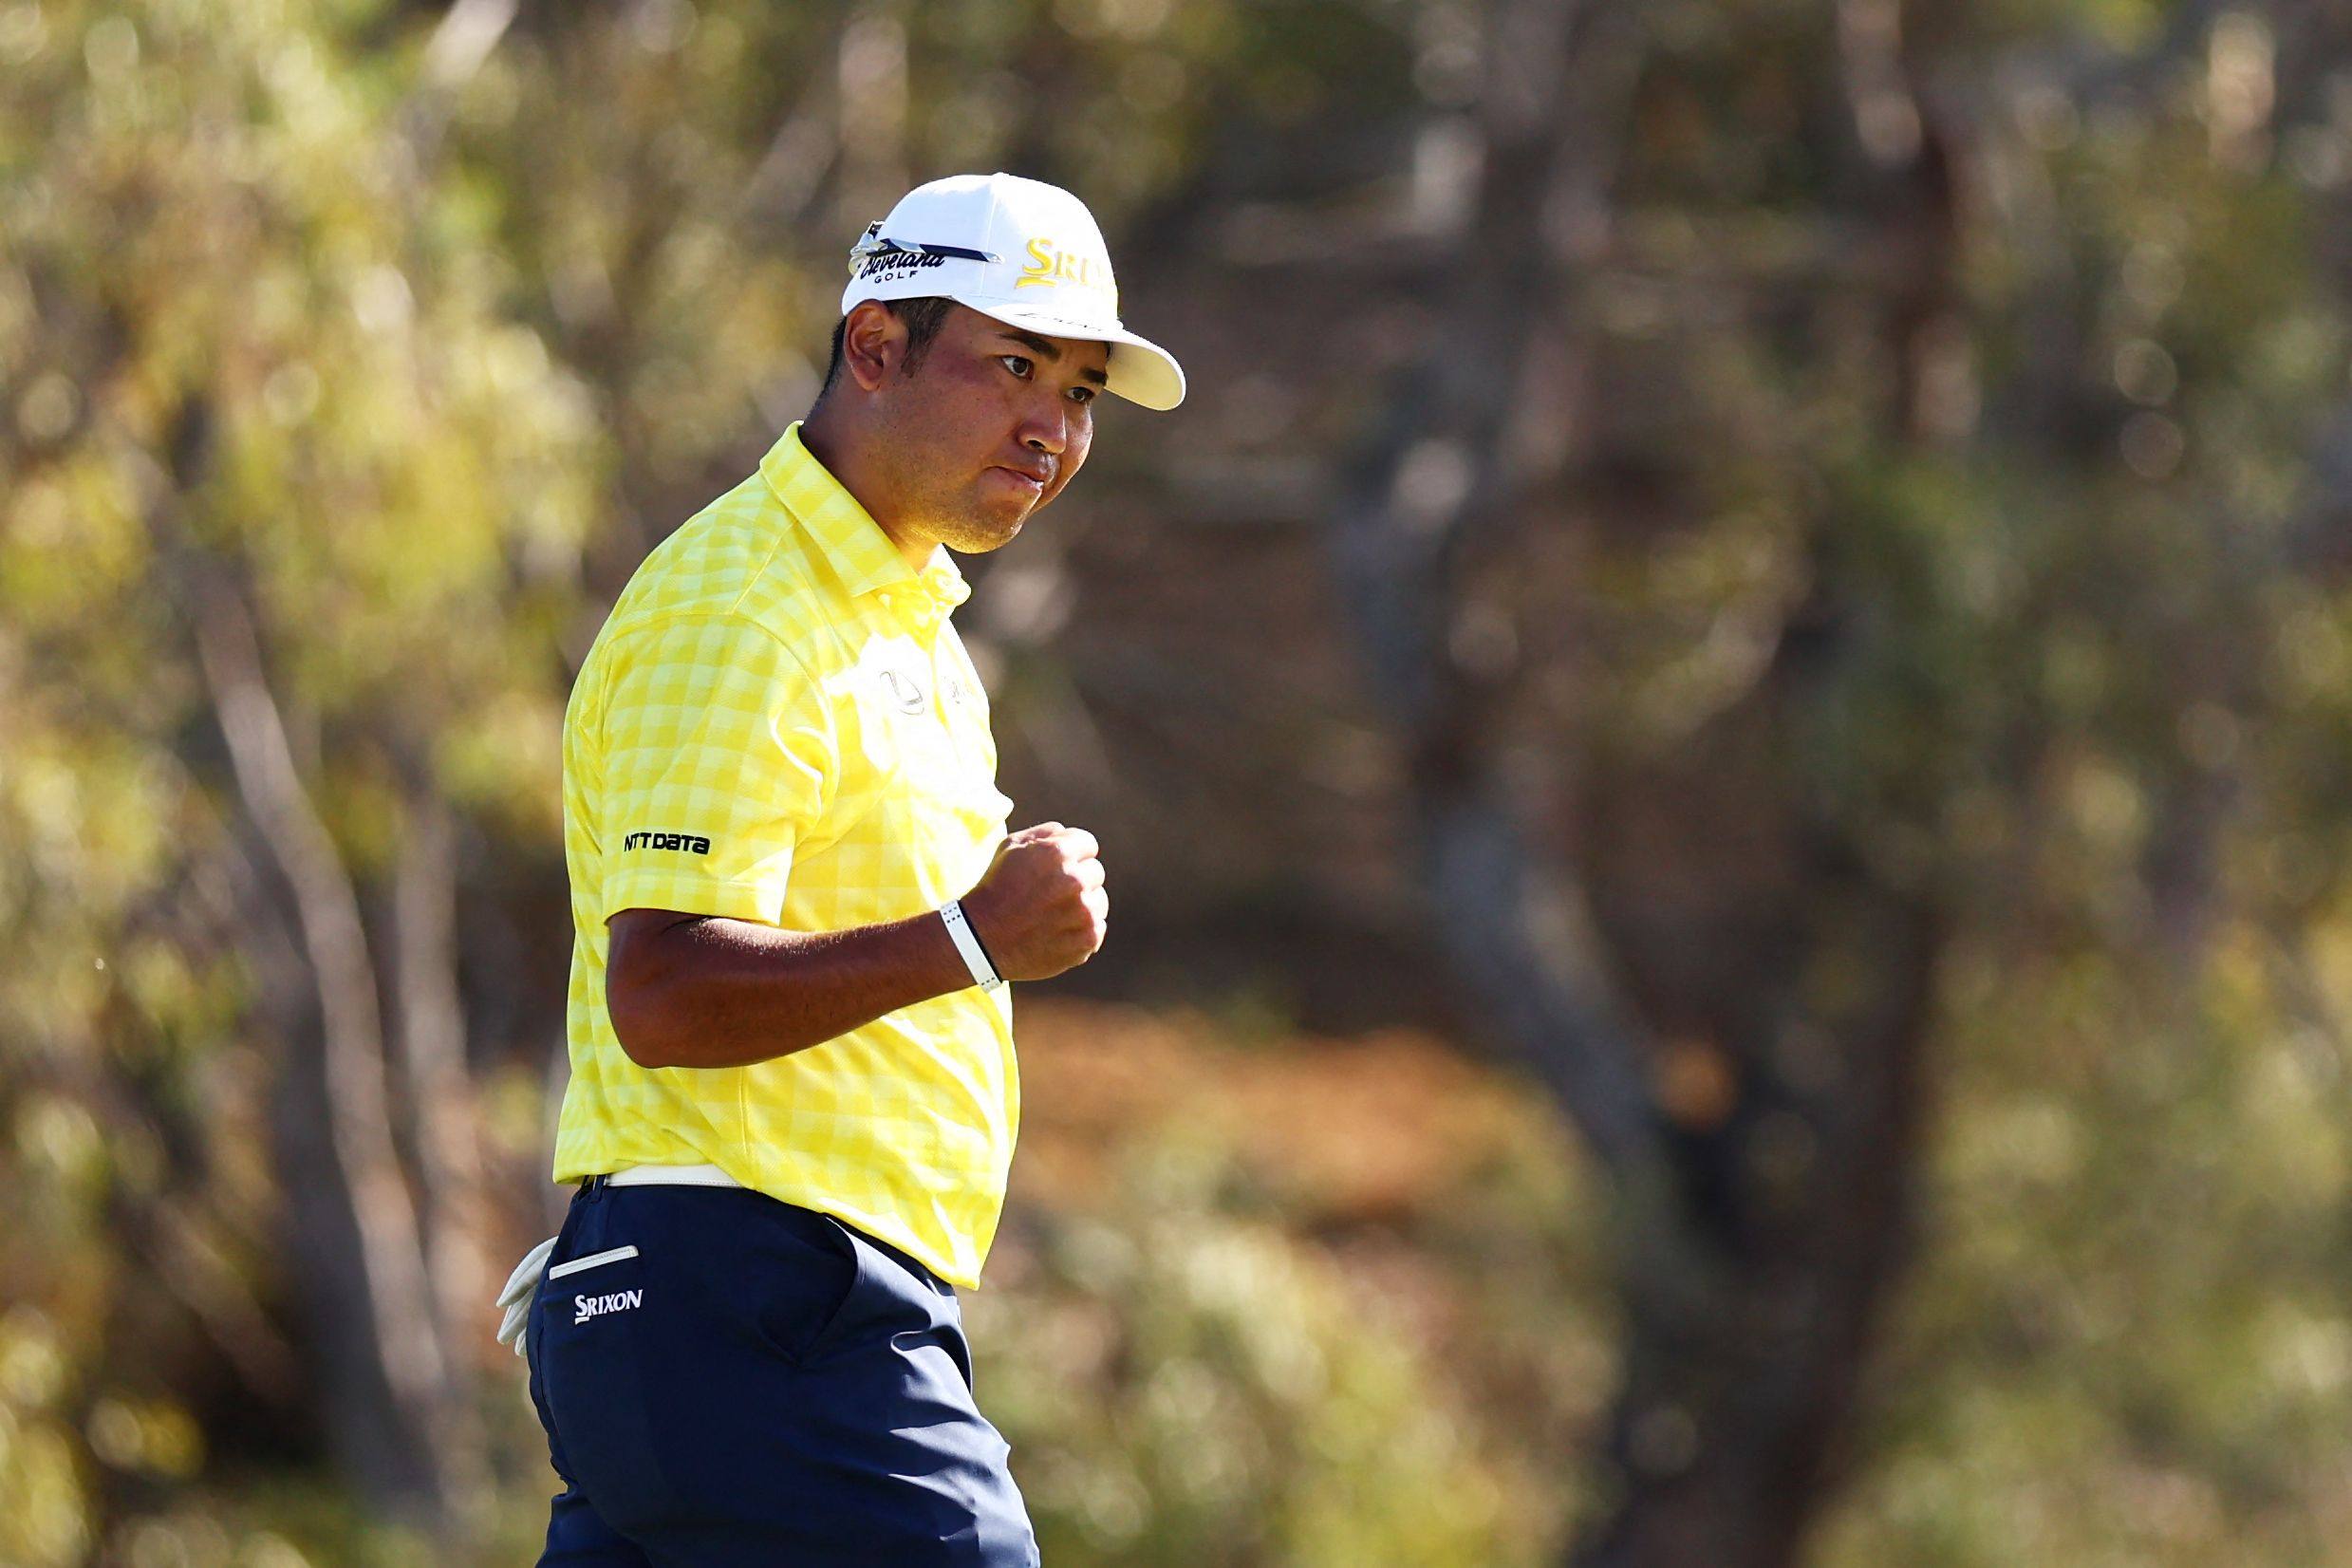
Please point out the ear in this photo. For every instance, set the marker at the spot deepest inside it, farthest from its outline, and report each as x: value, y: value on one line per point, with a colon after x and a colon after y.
x: 874, y: 343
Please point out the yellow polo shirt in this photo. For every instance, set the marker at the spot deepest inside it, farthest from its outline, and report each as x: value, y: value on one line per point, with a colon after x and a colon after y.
x: 779, y: 724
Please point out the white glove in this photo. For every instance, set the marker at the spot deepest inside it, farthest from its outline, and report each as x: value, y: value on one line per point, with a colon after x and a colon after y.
x: 515, y: 1298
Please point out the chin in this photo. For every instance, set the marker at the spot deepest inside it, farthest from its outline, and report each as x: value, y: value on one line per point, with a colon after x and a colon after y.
x: 980, y: 537
x: 996, y: 525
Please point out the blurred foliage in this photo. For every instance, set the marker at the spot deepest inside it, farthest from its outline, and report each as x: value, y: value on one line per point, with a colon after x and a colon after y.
x: 1189, y: 1384
x: 1219, y: 1333
x: 418, y: 347
x: 237, y: 343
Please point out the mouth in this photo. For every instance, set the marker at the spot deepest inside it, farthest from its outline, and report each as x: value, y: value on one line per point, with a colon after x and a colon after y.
x: 1028, y: 479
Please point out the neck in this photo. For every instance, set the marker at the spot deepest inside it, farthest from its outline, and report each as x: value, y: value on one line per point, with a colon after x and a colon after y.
x: 834, y: 438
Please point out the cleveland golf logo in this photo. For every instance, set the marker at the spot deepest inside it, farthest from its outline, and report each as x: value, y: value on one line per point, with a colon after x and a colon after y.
x: 585, y: 1307
x: 694, y: 843
x: 893, y: 265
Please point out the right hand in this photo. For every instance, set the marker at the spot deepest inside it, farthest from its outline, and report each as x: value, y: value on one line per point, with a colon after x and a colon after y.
x: 1041, y: 907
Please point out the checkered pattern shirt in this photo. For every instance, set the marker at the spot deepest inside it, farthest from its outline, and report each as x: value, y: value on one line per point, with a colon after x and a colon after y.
x: 779, y: 724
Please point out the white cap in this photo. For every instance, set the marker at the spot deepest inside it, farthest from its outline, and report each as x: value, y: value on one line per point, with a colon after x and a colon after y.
x: 1025, y: 252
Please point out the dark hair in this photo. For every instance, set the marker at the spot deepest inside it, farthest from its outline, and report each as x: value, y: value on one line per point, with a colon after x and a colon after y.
x: 923, y: 318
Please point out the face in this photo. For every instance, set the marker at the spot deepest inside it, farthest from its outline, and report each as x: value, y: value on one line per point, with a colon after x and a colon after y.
x: 990, y: 426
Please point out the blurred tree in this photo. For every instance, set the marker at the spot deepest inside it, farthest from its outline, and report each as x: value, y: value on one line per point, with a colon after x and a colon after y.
x: 290, y: 515
x: 1901, y: 498
x: 1759, y: 1121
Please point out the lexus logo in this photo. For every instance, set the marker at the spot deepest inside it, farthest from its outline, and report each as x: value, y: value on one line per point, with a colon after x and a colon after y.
x: 903, y: 691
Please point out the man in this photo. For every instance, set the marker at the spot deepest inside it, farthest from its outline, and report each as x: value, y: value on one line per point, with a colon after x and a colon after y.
x: 793, y: 1096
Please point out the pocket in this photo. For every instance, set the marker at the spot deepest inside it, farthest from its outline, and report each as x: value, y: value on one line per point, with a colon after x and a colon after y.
x: 595, y: 1338
x: 594, y: 1259
x: 809, y: 1273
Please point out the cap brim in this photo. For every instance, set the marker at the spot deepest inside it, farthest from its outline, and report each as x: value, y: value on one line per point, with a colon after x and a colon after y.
x: 1141, y: 371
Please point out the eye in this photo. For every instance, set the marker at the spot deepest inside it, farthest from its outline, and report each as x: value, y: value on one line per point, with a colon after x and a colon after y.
x: 1084, y: 394
x: 1018, y: 364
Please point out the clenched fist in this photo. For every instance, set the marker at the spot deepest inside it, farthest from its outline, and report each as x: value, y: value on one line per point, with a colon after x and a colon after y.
x: 1041, y: 909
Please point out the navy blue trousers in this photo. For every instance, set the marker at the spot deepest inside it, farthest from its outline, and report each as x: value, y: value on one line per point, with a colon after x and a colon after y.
x: 727, y: 1380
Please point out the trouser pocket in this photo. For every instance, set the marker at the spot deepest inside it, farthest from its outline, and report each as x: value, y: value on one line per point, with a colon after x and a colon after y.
x: 802, y: 1277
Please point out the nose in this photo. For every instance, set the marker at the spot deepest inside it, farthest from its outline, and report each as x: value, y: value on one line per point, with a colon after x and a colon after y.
x: 1047, y: 431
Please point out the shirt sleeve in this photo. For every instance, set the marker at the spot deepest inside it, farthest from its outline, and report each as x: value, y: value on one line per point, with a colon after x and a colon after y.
x: 719, y: 754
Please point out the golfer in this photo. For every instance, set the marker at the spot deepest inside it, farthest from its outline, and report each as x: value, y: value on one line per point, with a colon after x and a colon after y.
x: 792, y: 1096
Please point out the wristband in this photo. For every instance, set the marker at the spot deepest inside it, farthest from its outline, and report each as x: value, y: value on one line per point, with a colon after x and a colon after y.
x: 975, y: 958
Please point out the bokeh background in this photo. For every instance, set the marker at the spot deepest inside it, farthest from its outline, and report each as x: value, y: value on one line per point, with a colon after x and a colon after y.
x: 1724, y: 731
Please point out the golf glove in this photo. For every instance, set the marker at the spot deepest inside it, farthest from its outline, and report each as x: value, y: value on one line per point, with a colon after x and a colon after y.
x: 515, y: 1298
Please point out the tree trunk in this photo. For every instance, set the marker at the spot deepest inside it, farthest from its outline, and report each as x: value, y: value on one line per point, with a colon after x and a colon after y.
x: 357, y: 1252
x: 443, y: 1112
x: 1734, y: 1398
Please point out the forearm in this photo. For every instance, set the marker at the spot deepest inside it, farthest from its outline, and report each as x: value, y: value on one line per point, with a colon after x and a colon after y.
x: 722, y: 992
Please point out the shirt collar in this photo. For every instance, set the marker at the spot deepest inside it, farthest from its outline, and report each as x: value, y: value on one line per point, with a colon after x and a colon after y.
x: 845, y: 534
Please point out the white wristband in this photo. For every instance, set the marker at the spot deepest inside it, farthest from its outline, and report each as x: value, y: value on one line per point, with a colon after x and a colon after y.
x: 984, y: 973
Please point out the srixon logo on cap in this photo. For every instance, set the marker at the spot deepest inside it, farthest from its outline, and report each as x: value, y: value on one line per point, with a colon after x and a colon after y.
x: 1049, y: 263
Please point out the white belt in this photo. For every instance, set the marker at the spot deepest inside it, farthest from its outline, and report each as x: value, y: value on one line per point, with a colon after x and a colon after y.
x: 671, y: 1176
